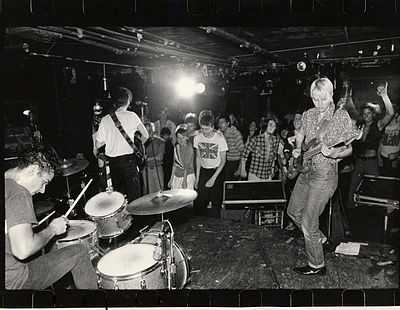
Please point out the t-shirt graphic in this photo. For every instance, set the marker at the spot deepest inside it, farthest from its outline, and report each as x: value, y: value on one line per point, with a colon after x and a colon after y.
x: 208, y: 150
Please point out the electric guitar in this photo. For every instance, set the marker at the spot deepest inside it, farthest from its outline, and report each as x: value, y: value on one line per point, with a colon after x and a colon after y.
x: 314, y: 147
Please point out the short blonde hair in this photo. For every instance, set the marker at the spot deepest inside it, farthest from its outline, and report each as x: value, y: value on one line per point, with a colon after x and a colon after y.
x: 322, y: 85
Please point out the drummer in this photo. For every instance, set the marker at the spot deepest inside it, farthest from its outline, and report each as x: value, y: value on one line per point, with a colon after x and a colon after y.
x: 23, y: 240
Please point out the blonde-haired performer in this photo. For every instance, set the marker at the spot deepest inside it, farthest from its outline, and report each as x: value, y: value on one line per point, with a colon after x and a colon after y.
x: 316, y: 185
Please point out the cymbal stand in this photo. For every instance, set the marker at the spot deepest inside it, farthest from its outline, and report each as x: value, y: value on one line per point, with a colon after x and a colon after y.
x: 171, y: 267
x: 70, y: 201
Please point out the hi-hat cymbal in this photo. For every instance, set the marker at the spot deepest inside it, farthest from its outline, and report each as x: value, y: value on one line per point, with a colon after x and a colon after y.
x: 162, y: 202
x: 71, y: 166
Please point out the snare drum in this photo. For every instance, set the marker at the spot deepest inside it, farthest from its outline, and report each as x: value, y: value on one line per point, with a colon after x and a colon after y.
x: 108, y: 210
x: 80, y: 232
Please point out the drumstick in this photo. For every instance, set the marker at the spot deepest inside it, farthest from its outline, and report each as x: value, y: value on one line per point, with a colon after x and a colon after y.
x: 45, y: 218
x: 77, y: 198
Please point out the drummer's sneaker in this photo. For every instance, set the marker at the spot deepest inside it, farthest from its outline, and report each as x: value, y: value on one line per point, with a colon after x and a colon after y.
x: 310, y: 271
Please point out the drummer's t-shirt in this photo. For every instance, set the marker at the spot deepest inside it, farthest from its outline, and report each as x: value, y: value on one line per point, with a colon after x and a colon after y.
x: 19, y: 210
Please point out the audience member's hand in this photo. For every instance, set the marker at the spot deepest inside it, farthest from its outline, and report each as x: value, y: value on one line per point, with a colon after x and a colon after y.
x: 243, y: 173
x: 210, y: 182
x: 381, y: 90
x: 380, y: 161
x: 59, y: 225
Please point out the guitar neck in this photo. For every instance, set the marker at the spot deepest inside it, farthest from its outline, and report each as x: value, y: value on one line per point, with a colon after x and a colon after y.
x: 312, y: 152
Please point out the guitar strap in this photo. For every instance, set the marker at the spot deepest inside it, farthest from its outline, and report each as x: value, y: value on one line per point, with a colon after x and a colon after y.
x: 122, y: 131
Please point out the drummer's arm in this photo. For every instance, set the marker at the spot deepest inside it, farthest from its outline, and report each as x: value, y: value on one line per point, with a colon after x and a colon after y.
x: 24, y: 242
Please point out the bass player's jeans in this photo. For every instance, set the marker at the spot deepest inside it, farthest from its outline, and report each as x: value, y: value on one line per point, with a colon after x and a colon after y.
x: 310, y: 195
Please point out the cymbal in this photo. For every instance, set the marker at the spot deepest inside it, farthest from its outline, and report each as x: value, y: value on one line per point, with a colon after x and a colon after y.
x: 162, y: 202
x: 71, y: 166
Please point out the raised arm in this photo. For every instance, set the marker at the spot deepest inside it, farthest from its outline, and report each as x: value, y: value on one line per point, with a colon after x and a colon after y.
x: 382, y: 92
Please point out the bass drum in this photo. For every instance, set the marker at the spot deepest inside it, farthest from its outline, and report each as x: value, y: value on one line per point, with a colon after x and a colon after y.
x: 182, y: 262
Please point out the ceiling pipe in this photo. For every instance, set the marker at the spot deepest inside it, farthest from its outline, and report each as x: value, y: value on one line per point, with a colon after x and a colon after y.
x: 90, y: 41
x: 160, y: 48
x: 97, y: 36
x: 86, y: 60
x: 333, y: 44
x: 234, y: 38
x: 187, y: 47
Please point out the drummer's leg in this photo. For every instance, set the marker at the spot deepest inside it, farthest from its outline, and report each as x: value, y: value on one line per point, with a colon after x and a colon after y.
x: 49, y: 268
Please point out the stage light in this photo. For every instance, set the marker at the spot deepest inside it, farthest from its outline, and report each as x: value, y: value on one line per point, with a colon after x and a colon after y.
x: 185, y: 87
x: 26, y: 112
x: 200, y: 88
x: 301, y: 66
x: 392, y: 48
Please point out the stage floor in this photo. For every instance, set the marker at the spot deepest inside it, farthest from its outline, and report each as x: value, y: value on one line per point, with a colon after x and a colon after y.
x: 225, y: 254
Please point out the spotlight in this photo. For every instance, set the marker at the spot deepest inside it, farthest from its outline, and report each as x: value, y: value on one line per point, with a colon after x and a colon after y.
x: 360, y: 52
x: 378, y: 47
x: 26, y: 112
x: 301, y: 66
x: 185, y: 87
x: 200, y: 88
x: 392, y: 48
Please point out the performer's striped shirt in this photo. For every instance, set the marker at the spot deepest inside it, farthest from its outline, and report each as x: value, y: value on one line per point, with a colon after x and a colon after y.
x: 234, y: 140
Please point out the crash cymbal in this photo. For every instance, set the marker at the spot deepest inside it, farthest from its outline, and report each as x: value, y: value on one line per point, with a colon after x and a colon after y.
x: 71, y: 166
x: 162, y: 202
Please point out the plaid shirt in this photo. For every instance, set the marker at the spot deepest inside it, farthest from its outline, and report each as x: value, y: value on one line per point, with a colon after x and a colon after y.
x: 264, y: 150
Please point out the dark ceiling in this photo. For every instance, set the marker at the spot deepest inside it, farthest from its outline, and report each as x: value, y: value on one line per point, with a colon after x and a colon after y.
x: 245, y: 48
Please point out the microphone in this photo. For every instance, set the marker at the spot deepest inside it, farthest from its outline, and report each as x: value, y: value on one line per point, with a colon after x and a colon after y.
x: 157, y: 253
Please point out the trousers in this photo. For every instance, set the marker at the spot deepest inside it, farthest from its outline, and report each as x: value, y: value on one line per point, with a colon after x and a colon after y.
x: 310, y: 195
x: 49, y: 268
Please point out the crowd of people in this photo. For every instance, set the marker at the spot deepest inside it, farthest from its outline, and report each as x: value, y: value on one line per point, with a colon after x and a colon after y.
x: 201, y: 152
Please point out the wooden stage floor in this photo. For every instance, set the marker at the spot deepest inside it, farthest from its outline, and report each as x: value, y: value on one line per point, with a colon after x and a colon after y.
x: 232, y: 255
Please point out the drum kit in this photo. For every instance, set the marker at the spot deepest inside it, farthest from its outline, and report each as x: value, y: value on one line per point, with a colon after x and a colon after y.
x: 151, y: 261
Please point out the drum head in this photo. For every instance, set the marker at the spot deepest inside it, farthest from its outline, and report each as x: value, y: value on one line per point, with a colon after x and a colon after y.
x: 104, y: 204
x: 127, y: 260
x: 78, y: 229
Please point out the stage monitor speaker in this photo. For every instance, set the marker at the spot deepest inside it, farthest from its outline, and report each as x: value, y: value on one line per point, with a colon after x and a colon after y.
x: 240, y: 193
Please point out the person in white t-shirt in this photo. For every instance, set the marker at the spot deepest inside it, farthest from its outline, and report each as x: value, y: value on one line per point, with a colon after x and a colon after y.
x: 211, y: 150
x: 123, y: 162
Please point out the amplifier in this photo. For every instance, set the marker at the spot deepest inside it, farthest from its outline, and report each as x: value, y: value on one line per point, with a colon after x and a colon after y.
x: 247, y: 193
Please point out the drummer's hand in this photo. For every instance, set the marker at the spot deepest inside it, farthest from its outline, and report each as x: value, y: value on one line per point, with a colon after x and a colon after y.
x: 210, y: 182
x: 59, y: 225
